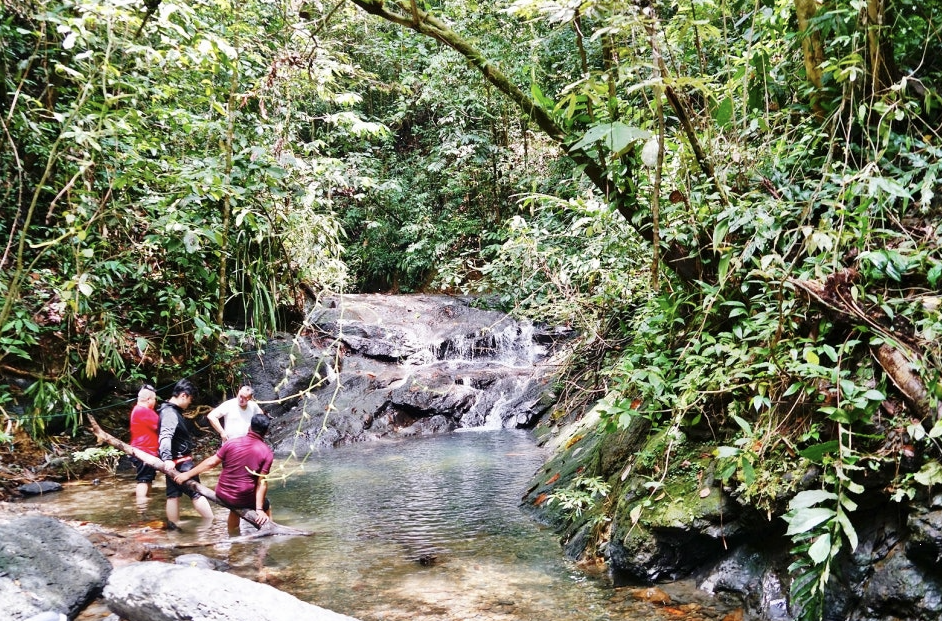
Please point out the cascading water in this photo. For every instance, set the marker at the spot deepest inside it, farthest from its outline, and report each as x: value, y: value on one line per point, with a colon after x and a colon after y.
x: 414, y: 365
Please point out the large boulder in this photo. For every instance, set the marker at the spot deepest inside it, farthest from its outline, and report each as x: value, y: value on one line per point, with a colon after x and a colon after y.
x: 47, y: 566
x: 153, y: 591
x: 684, y: 523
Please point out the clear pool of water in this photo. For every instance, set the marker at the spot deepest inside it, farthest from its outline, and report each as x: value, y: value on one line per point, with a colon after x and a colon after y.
x: 428, y: 529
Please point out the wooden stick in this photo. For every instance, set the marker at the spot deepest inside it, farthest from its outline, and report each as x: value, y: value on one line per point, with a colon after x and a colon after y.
x: 264, y: 530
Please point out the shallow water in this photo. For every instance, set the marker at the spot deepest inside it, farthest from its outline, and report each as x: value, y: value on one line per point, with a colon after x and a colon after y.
x: 426, y: 530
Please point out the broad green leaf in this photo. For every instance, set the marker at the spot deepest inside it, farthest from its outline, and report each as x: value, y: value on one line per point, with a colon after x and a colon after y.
x: 820, y: 550
x: 848, y: 529
x: 806, y: 519
x: 623, y: 135
x: 929, y: 474
x: 723, y: 113
x: 724, y: 265
x: 810, y: 498
x: 615, y: 136
x: 934, y: 273
x: 792, y: 389
x: 811, y: 357
x: 748, y: 472
x: 719, y: 233
x: 744, y: 424
x: 816, y: 452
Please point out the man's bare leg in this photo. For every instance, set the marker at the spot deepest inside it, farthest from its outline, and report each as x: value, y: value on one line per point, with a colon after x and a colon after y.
x: 173, y: 511
x: 203, y: 507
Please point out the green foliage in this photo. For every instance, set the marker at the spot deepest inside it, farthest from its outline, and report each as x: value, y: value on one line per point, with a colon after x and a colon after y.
x: 571, y: 261
x: 103, y: 457
x: 149, y: 195
x: 583, y: 495
x: 820, y: 526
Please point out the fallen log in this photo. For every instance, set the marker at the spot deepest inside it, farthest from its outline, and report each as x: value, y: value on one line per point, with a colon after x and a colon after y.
x: 264, y: 530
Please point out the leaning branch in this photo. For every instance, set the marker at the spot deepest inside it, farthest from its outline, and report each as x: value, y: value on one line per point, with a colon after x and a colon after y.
x: 250, y: 516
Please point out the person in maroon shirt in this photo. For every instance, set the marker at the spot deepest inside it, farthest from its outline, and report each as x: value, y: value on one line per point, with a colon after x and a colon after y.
x: 245, y: 463
x: 144, y: 424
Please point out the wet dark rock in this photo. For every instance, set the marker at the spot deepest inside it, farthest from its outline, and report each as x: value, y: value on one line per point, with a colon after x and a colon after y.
x: 898, y: 589
x: 47, y: 566
x: 924, y: 546
x: 39, y: 487
x: 752, y: 574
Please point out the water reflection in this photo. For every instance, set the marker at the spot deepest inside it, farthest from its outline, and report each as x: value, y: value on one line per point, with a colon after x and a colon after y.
x: 425, y: 530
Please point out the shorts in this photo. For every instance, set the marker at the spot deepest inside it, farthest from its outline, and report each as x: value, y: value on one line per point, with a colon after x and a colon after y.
x: 145, y: 473
x: 265, y: 507
x: 175, y: 491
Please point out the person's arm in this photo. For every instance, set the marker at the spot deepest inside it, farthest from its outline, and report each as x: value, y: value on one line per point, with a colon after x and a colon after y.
x: 207, y: 464
x: 213, y: 418
x: 168, y: 426
x: 261, y: 490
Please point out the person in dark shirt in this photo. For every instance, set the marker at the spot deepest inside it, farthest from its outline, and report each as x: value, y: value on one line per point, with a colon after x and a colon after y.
x: 245, y: 463
x: 176, y: 448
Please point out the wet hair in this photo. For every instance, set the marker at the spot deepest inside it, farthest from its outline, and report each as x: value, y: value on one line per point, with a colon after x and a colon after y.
x: 260, y: 423
x: 184, y: 386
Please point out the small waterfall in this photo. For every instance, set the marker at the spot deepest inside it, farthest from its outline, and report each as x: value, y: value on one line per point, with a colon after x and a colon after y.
x: 510, y: 343
x: 414, y: 365
x: 495, y: 417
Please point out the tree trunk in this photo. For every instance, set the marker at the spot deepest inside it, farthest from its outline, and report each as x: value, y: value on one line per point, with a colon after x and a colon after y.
x: 264, y: 530
x: 883, y: 70
x: 812, y: 49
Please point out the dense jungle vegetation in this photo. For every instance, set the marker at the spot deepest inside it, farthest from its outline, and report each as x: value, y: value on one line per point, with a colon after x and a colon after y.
x: 734, y: 202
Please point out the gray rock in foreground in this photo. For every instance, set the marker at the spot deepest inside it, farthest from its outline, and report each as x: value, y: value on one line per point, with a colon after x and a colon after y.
x: 153, y: 591
x: 47, y: 566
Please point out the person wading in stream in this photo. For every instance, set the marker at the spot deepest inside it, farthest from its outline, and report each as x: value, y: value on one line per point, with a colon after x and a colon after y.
x: 176, y: 447
x: 236, y: 415
x: 144, y: 425
x: 242, y: 482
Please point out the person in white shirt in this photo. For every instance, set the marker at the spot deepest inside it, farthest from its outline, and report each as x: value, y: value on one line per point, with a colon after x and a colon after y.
x: 236, y: 415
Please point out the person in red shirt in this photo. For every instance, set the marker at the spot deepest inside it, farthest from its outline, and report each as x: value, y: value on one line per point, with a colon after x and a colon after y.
x: 144, y: 424
x: 245, y: 463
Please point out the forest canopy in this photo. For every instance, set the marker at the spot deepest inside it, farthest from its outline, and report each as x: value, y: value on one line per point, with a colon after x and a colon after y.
x: 735, y: 203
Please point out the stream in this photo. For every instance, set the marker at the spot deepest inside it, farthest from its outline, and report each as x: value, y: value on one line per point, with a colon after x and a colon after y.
x: 426, y: 529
